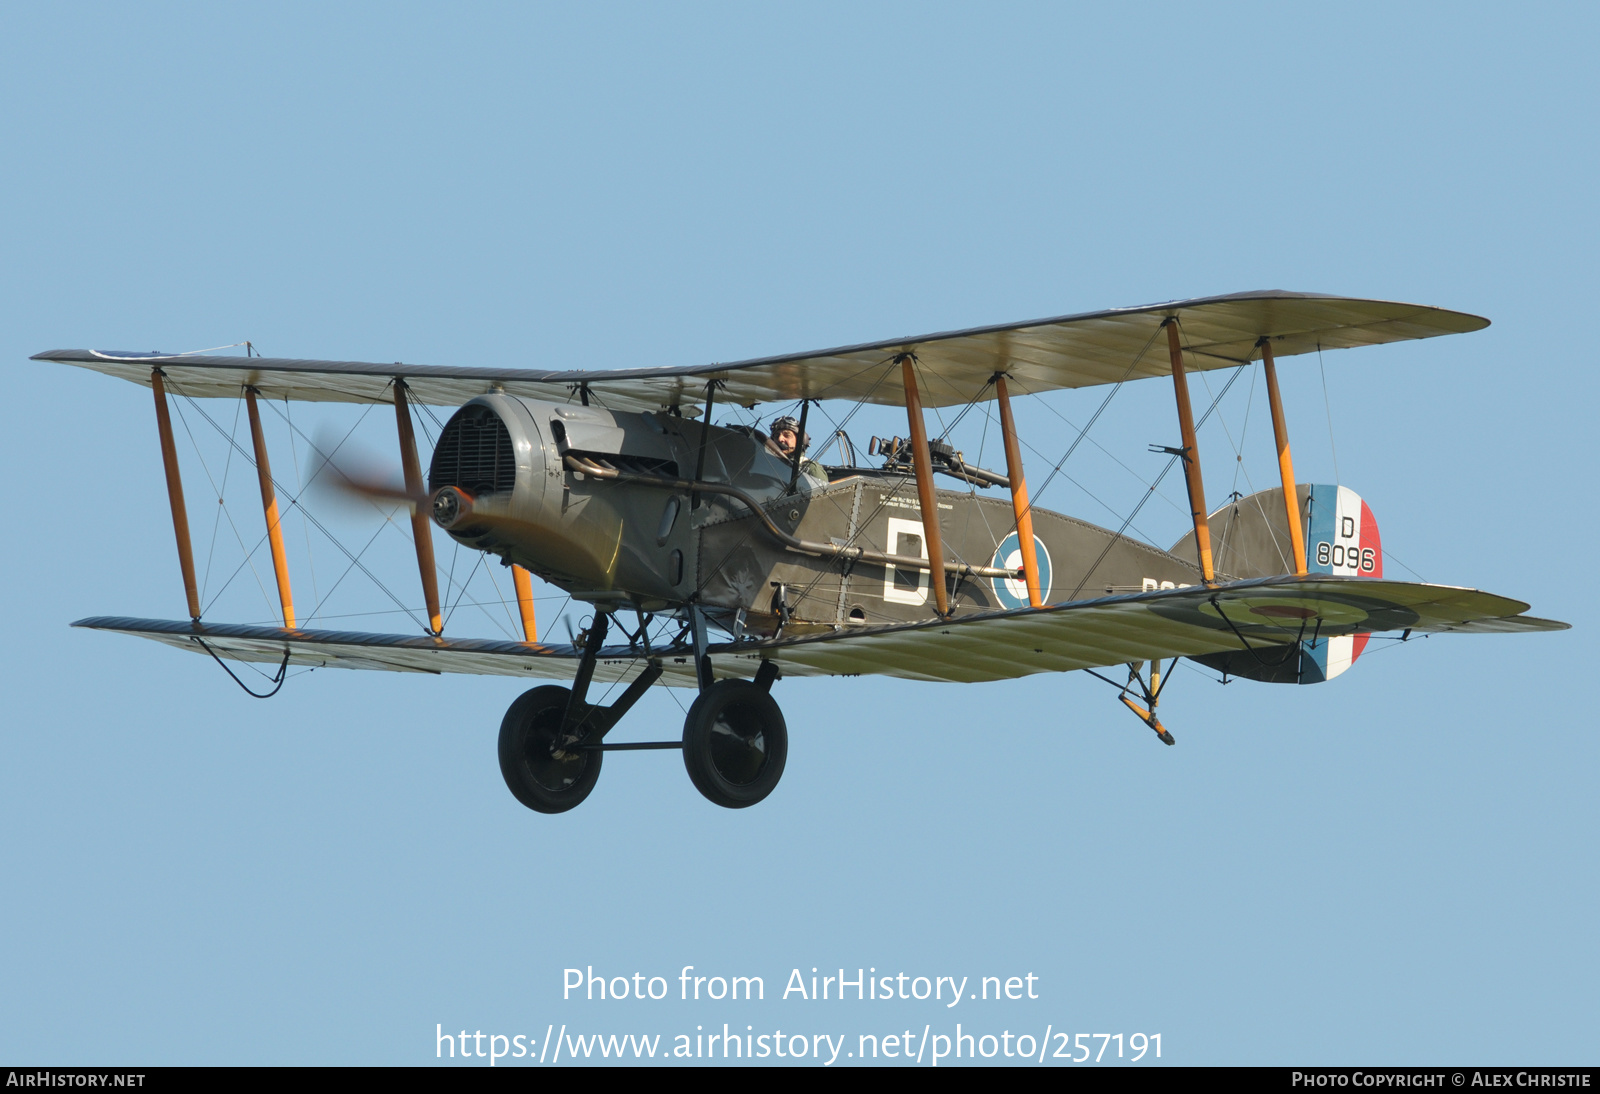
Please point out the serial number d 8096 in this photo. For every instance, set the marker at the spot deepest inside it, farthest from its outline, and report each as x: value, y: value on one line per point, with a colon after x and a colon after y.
x: 1337, y: 554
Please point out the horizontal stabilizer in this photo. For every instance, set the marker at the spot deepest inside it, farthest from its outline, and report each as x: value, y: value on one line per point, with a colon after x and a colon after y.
x: 1515, y: 624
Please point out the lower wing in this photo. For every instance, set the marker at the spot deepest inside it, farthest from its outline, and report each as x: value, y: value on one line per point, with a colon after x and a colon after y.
x: 1115, y: 630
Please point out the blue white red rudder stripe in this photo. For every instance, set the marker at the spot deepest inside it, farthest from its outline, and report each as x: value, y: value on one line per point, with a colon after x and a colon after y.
x: 1341, y: 538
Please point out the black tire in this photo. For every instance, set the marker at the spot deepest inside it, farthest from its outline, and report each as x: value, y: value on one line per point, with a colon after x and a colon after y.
x: 541, y: 776
x: 735, y: 743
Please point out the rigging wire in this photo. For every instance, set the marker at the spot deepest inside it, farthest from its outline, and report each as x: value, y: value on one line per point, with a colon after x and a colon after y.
x: 216, y: 523
x: 483, y: 604
x: 1140, y: 479
x: 512, y: 624
x: 299, y: 477
x: 1170, y: 464
x: 355, y: 561
x: 1238, y: 449
x: 1327, y: 407
x: 861, y: 527
x: 1107, y: 506
x: 450, y: 580
x: 1238, y: 465
x: 983, y: 440
x: 295, y: 502
x: 887, y: 366
x: 1244, y: 428
x: 248, y: 552
x: 1285, y: 554
x: 428, y: 410
x: 451, y: 610
x: 1084, y: 432
x: 1390, y: 556
x: 923, y: 377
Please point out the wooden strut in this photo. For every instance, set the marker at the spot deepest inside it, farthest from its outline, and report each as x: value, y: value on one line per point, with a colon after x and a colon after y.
x: 1280, y: 431
x: 524, y: 583
x: 180, y: 515
x: 1191, y: 455
x: 1019, y: 494
x: 421, y: 533
x: 922, y: 462
x: 269, y: 505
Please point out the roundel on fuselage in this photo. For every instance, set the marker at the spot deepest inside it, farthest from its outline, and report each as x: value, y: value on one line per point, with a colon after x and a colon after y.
x: 1012, y: 592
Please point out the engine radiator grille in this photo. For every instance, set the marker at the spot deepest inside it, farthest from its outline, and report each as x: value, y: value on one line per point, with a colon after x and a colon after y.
x: 474, y: 453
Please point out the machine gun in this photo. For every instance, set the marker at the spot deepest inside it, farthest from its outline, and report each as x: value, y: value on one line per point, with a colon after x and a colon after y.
x: 896, y: 453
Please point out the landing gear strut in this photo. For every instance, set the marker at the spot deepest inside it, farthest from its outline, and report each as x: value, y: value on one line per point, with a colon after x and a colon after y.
x: 551, y: 740
x: 734, y: 743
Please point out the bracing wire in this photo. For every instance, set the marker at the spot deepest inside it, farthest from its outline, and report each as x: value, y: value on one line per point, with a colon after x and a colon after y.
x: 460, y: 596
x: 1171, y: 463
x: 1244, y: 428
x: 512, y: 623
x: 1090, y: 494
x: 1327, y: 406
x: 216, y: 523
x: 1084, y: 432
x: 1140, y: 479
x: 299, y: 478
x: 294, y: 500
x: 248, y: 551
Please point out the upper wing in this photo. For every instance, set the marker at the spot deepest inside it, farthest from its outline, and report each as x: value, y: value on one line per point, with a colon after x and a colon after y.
x: 1041, y: 355
x: 991, y: 646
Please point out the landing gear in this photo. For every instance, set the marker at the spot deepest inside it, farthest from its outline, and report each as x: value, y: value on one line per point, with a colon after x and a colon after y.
x: 1152, y: 696
x: 552, y: 739
x: 545, y: 767
x: 1149, y: 690
x: 735, y: 743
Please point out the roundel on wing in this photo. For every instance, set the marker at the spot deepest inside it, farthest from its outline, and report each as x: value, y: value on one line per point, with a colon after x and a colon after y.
x: 1012, y: 592
x: 1289, y: 614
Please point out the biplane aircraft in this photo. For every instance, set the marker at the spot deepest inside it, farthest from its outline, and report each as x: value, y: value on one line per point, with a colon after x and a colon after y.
x: 617, y: 487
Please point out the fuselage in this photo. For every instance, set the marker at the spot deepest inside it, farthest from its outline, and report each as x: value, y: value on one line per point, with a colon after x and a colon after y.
x: 662, y: 549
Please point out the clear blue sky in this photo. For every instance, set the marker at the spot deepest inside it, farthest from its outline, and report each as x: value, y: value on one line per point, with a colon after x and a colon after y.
x: 1397, y: 866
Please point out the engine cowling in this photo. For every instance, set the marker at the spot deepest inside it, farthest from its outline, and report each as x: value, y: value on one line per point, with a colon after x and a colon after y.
x: 497, y: 478
x: 501, y: 485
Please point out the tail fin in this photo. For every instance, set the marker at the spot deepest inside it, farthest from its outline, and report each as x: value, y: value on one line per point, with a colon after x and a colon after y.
x: 1250, y: 538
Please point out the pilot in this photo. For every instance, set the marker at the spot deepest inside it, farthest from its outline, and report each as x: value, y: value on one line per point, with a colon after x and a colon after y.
x: 785, y: 436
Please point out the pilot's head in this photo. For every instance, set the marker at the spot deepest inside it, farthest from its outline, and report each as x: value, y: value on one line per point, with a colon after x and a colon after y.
x: 786, y: 435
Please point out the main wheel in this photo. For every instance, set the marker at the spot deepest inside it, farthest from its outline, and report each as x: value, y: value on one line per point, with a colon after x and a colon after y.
x: 544, y: 776
x: 735, y: 743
